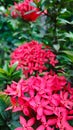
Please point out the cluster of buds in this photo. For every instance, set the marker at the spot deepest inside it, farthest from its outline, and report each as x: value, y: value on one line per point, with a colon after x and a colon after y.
x: 25, y: 10
x: 32, y: 57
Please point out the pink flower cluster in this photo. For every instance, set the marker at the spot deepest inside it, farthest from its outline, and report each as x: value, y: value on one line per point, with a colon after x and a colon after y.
x: 25, y: 10
x: 47, y: 102
x: 32, y: 57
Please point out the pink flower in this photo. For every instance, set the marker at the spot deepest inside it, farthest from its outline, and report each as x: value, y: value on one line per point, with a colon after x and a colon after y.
x: 24, y: 106
x: 55, y: 82
x: 32, y: 58
x: 11, y: 90
x: 45, y: 98
x: 15, y: 106
x: 26, y: 11
x: 39, y: 106
x: 17, y: 89
x: 65, y: 100
x: 46, y: 125
x: 14, y: 14
x: 43, y: 127
x: 26, y: 125
x: 62, y: 121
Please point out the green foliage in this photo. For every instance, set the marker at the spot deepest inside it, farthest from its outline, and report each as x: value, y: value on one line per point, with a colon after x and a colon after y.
x: 14, y: 32
x: 7, y: 3
x: 9, y: 74
x: 53, y: 28
x: 4, y: 115
x: 14, y: 121
x: 8, y: 120
x: 69, y: 54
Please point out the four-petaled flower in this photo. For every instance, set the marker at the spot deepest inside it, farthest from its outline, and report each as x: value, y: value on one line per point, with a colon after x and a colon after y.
x: 26, y: 125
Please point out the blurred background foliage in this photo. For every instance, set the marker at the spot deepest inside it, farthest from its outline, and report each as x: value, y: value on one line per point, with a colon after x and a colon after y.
x: 54, y: 29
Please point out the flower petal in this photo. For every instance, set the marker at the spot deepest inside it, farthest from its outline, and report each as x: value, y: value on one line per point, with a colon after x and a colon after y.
x: 41, y: 127
x: 31, y: 121
x: 40, y: 111
x: 19, y: 128
x: 22, y: 121
x: 49, y: 128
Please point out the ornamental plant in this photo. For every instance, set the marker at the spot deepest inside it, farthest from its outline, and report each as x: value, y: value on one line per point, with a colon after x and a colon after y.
x: 46, y: 102
x: 36, y: 93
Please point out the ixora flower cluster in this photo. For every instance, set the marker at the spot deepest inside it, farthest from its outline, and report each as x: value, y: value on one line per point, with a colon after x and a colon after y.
x: 32, y: 57
x: 46, y: 102
x: 25, y: 10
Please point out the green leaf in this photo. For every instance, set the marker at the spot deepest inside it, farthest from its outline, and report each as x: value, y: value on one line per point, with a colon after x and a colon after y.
x: 2, y: 109
x: 63, y: 21
x: 13, y: 23
x: 4, y: 127
x: 6, y: 67
x: 2, y: 71
x: 69, y: 54
x: 56, y: 47
x: 5, y: 98
x: 13, y: 68
x: 17, y: 74
x: 2, y: 76
x: 33, y: 4
x: 31, y: 11
x: 69, y: 35
x: 13, y: 124
x: 1, y: 121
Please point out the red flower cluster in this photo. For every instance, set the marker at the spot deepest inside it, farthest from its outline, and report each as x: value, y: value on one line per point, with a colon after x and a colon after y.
x: 32, y: 57
x: 26, y: 11
x: 47, y: 100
